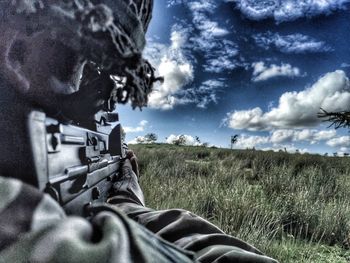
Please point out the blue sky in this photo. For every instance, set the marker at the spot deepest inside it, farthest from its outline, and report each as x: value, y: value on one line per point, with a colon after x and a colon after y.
x: 260, y: 69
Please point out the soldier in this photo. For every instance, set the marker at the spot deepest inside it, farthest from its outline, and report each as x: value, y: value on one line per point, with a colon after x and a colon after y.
x: 44, y: 47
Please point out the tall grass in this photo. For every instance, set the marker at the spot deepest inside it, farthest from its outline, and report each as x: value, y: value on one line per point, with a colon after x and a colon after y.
x: 293, y: 207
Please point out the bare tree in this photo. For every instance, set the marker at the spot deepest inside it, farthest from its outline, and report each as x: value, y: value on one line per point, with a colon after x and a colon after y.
x: 339, y: 119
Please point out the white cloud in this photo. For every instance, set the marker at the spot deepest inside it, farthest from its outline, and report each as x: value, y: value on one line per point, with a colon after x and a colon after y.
x: 280, y: 139
x: 141, y: 140
x: 176, y: 75
x: 324, y: 135
x: 208, y: 36
x: 171, y: 3
x: 305, y: 135
x: 208, y: 28
x: 173, y: 66
x: 178, y: 39
x: 137, y: 140
x: 139, y: 128
x: 203, y: 95
x: 343, y: 141
x: 246, y: 141
x: 298, y: 109
x: 287, y: 10
x: 291, y: 44
x: 201, y: 5
x: 189, y: 140
x: 247, y: 119
x: 281, y: 136
x: 176, y: 61
x: 265, y: 143
x: 344, y: 149
x: 223, y: 57
x: 288, y: 148
x: 261, y: 72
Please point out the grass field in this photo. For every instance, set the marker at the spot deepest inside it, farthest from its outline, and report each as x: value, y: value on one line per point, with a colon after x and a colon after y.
x: 293, y: 207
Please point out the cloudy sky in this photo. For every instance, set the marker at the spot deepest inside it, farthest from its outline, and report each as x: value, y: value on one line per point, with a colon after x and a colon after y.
x: 258, y: 68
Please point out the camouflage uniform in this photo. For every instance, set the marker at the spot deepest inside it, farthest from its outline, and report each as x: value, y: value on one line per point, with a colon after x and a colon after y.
x: 34, y: 228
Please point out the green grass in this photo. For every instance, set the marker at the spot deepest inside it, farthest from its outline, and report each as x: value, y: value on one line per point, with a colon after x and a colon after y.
x: 294, y: 208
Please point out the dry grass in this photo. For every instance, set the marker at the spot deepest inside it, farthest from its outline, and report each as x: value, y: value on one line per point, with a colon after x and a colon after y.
x: 293, y: 207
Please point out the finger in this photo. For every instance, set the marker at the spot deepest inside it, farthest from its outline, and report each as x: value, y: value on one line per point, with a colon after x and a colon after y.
x: 130, y: 154
x: 134, y: 165
x: 133, y: 161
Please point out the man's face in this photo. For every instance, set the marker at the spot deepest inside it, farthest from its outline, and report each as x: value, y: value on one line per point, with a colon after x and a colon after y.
x: 54, y: 72
x: 49, y: 70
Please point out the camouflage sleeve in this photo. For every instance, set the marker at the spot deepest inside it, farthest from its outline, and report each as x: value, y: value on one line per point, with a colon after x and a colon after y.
x: 34, y: 228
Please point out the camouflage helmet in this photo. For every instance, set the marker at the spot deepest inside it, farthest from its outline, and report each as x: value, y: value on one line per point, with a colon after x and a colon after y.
x: 109, y: 33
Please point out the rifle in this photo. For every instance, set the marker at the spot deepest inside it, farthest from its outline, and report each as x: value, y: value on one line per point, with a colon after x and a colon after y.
x: 74, y: 152
x: 76, y: 163
x: 75, y: 166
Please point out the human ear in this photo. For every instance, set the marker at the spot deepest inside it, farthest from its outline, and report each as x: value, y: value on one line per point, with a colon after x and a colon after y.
x: 12, y: 57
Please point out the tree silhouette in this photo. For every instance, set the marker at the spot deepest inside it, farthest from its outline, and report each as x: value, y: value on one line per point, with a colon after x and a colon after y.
x: 151, y: 137
x: 234, y: 139
x: 181, y: 140
x: 339, y: 119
